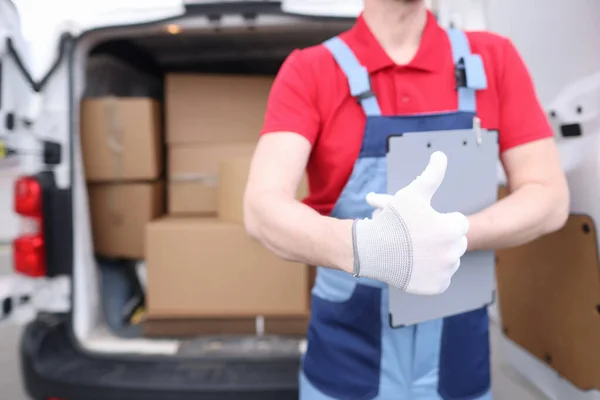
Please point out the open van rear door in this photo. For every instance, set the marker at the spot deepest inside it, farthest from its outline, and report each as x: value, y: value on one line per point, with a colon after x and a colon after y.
x: 20, y: 296
x: 9, y: 166
x: 13, y: 93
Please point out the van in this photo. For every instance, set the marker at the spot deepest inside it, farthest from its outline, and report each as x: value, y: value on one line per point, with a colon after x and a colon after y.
x: 69, y: 348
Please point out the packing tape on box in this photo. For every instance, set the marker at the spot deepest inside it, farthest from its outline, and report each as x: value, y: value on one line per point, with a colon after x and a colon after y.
x: 114, y: 134
x: 207, y: 179
x: 114, y: 142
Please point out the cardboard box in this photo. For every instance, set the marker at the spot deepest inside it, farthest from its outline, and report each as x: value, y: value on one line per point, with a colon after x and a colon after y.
x: 184, y: 328
x: 233, y: 176
x: 119, y: 214
x: 206, y: 268
x: 193, y: 175
x: 206, y: 108
x: 296, y: 325
x: 121, y: 139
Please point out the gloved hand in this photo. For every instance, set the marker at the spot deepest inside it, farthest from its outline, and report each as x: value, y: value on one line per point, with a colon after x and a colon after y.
x: 408, y: 244
x: 378, y: 201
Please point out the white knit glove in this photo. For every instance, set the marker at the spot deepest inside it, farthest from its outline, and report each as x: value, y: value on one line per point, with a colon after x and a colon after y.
x: 408, y: 244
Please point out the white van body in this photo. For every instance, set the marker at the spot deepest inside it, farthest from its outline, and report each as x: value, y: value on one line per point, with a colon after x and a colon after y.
x: 76, y: 27
x: 60, y: 37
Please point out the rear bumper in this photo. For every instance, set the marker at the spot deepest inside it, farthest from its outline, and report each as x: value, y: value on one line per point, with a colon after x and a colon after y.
x: 53, y: 366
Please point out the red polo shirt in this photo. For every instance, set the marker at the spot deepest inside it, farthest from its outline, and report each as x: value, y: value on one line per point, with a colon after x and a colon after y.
x: 311, y: 97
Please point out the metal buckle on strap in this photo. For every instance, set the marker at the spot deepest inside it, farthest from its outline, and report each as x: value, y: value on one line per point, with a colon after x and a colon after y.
x: 460, y: 74
x: 364, y: 95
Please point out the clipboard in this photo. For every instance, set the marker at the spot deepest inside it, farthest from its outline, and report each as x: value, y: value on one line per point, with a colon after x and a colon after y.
x: 469, y: 186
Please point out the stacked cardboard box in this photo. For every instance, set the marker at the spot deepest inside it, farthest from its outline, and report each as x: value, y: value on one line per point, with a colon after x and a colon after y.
x: 205, y: 274
x: 209, y: 118
x: 121, y: 141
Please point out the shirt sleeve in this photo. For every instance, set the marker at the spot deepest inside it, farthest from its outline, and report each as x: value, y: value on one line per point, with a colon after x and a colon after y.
x: 291, y: 106
x: 522, y: 118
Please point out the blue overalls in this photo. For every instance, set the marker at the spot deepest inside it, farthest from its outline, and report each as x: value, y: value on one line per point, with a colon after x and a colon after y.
x: 353, y: 353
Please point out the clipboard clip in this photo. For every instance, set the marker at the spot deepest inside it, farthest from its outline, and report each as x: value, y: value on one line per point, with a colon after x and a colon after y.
x: 477, y: 129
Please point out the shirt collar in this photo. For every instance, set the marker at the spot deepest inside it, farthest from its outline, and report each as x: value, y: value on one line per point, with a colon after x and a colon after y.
x: 429, y: 57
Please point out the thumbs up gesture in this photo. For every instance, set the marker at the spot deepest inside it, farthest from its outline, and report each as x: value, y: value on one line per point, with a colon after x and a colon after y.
x: 408, y: 244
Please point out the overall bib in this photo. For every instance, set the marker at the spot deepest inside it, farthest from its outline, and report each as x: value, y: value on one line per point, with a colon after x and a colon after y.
x: 353, y: 353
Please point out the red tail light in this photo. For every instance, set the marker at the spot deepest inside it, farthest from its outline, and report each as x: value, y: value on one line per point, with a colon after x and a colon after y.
x: 29, y: 254
x: 28, y: 197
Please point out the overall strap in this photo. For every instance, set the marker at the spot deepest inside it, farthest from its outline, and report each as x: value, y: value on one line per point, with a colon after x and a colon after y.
x: 469, y: 70
x: 357, y: 75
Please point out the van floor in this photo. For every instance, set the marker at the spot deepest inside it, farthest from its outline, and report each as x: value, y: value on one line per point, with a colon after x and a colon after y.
x: 102, y: 340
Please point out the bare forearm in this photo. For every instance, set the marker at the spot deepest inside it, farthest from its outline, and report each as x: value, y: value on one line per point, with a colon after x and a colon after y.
x: 296, y: 232
x: 526, y: 214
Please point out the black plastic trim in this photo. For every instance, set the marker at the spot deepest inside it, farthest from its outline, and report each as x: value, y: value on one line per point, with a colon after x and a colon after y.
x: 251, y: 8
x: 9, y: 121
x: 217, y: 9
x: 38, y: 86
x: 51, y: 152
x: 58, y: 228
x: 571, y: 130
x: 1, y: 82
x: 53, y: 366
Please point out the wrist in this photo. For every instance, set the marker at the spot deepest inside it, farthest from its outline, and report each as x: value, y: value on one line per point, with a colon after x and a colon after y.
x: 344, y: 252
x: 472, y: 237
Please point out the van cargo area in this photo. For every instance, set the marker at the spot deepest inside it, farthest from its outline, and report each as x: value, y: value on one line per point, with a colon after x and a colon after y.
x: 169, y: 115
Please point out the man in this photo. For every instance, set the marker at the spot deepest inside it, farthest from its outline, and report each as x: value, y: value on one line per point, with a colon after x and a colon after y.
x: 327, y: 115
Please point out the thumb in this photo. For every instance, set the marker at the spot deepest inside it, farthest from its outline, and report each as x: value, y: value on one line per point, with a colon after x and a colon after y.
x: 378, y: 200
x: 432, y: 177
